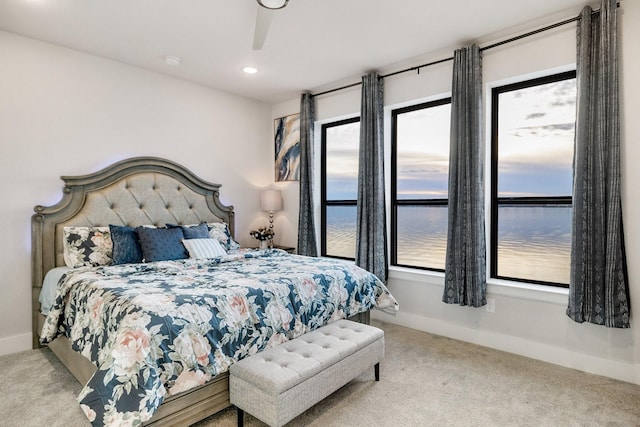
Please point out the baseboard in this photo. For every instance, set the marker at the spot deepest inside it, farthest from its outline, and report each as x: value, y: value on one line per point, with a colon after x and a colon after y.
x: 618, y: 370
x: 15, y: 344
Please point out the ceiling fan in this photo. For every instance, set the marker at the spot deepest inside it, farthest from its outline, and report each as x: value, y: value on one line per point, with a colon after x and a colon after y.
x: 263, y: 20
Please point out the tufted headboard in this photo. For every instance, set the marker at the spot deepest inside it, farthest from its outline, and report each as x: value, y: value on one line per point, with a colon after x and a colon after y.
x: 137, y: 191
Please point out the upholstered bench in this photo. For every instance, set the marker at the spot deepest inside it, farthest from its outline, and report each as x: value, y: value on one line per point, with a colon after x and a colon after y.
x: 280, y: 383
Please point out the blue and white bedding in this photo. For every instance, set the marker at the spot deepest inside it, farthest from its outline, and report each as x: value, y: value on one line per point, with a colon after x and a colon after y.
x: 154, y: 330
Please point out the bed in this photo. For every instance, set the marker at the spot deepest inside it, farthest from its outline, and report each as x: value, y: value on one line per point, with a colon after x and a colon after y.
x: 175, y: 388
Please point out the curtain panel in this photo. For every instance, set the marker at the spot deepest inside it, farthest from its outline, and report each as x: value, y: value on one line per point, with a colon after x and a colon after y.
x: 371, y: 225
x: 306, y: 226
x: 598, y: 287
x: 465, y: 265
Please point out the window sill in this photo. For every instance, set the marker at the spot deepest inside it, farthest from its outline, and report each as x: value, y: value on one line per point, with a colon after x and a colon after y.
x: 495, y: 287
x: 416, y: 275
x: 528, y: 291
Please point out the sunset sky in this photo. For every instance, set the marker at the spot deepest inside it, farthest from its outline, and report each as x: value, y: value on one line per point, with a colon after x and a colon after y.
x: 536, y: 147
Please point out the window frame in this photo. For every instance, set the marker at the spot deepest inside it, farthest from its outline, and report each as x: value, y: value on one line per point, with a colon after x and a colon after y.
x: 395, y: 202
x: 323, y: 187
x: 495, y: 201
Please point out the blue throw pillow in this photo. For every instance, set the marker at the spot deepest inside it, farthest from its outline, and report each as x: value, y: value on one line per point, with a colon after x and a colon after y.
x: 126, y: 248
x: 161, y: 244
x: 200, y: 231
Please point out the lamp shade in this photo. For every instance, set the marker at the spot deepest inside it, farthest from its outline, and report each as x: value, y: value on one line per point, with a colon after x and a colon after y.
x: 271, y: 200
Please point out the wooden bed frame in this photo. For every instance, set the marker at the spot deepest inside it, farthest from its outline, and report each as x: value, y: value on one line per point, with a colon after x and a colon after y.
x: 137, y: 191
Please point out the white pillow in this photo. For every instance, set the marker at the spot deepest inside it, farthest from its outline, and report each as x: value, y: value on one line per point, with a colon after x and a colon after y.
x: 204, y: 248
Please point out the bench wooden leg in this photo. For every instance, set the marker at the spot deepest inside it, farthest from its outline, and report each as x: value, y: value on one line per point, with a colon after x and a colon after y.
x: 240, y: 413
x: 376, y: 369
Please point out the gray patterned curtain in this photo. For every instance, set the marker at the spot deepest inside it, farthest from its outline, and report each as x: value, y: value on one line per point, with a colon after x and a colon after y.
x: 465, y: 267
x: 371, y: 229
x: 598, y: 288
x: 306, y: 226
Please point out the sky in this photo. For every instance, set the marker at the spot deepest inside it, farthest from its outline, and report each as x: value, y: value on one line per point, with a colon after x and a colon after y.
x: 423, y: 153
x: 536, y: 140
x: 535, y: 147
x: 342, y: 161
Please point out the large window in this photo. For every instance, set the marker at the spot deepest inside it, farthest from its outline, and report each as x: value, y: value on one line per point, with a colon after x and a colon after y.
x: 340, y: 145
x: 420, y: 170
x: 532, y: 152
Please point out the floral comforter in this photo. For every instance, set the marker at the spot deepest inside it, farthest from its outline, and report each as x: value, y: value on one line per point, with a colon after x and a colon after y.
x: 155, y: 330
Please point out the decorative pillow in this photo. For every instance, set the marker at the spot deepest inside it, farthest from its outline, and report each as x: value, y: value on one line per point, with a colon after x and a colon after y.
x: 220, y: 232
x: 200, y: 231
x: 126, y: 247
x: 161, y: 244
x: 87, y: 246
x: 204, y: 248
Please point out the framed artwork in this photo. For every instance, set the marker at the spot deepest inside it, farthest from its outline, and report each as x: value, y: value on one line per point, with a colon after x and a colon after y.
x: 287, y: 147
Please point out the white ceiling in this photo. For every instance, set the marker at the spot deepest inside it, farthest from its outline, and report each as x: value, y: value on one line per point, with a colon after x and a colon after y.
x: 312, y: 44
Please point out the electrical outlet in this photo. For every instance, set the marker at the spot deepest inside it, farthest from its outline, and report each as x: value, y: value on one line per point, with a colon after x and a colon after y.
x: 491, y: 305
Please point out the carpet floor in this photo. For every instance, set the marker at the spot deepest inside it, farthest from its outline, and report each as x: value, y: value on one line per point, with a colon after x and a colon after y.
x: 426, y: 380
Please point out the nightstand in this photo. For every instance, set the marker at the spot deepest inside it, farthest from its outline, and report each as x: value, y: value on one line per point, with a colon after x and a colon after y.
x: 289, y: 249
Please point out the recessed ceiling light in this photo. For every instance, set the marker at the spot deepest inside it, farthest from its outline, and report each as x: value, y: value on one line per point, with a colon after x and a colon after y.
x: 174, y: 61
x: 250, y: 70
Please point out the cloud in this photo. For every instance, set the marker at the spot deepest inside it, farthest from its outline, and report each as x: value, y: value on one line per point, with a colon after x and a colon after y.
x: 422, y: 194
x: 548, y: 128
x: 410, y: 162
x: 562, y: 102
x: 535, y: 116
x: 342, y: 163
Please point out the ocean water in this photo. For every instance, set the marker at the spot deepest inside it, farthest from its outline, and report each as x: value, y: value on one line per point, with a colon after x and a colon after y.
x: 534, y: 243
x: 341, y: 231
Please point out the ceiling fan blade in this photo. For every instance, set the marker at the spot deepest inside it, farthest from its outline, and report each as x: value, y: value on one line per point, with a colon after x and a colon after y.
x: 263, y: 22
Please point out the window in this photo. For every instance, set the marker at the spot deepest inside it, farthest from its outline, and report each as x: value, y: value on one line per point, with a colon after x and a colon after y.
x: 419, y: 184
x: 340, y: 146
x: 533, y: 126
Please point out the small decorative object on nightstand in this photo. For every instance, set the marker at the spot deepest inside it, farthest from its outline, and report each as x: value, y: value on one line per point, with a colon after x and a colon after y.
x: 264, y: 235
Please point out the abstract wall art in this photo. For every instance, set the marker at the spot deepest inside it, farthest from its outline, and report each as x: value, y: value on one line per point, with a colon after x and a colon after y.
x: 287, y: 146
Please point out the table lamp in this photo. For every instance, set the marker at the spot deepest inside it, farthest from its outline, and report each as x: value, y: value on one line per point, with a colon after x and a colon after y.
x: 271, y: 201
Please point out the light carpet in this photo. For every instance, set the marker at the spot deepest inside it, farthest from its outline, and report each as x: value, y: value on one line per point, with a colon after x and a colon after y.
x: 426, y: 380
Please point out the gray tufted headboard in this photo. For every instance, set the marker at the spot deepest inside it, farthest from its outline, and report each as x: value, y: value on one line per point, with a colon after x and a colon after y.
x: 137, y: 191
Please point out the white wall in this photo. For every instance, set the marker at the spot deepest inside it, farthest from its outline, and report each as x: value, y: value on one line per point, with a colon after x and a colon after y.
x: 630, y: 153
x: 67, y: 113
x: 528, y: 320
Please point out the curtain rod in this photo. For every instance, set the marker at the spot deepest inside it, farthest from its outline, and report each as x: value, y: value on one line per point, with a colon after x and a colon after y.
x: 491, y: 46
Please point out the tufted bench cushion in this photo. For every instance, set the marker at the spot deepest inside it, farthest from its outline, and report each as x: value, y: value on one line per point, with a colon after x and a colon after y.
x: 280, y: 383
